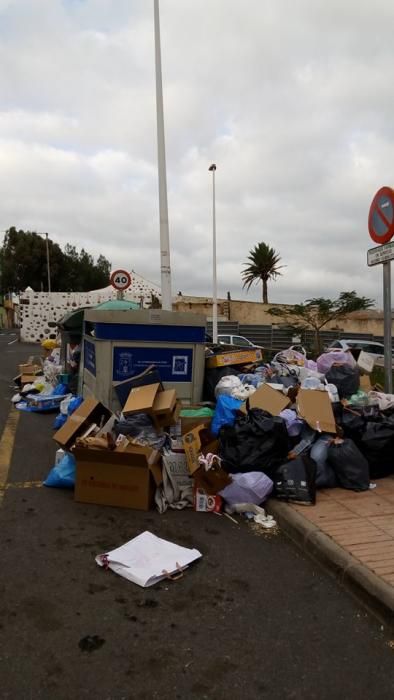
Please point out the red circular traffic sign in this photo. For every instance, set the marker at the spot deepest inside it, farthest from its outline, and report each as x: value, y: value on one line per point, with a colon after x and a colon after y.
x: 121, y: 280
x: 381, y: 216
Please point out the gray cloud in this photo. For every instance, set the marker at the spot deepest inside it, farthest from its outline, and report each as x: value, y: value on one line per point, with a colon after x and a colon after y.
x: 291, y: 100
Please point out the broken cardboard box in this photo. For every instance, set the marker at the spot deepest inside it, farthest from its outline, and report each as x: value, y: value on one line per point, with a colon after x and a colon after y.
x: 126, y: 477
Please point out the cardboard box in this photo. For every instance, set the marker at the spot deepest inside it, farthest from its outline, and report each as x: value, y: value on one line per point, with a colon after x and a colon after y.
x: 206, y: 503
x: 29, y: 368
x: 268, y: 399
x: 164, y: 402
x: 198, y: 441
x: 165, y: 420
x: 90, y: 411
x: 141, y: 399
x: 241, y: 357
x: 315, y: 408
x: 126, y: 478
x: 365, y: 383
x: 188, y: 423
x: 149, y: 376
x: 28, y: 379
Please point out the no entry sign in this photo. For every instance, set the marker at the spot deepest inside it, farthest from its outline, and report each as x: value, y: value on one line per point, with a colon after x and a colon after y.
x: 121, y: 280
x: 381, y: 216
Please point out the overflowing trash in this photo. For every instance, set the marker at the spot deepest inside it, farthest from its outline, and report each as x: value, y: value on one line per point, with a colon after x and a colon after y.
x: 281, y: 429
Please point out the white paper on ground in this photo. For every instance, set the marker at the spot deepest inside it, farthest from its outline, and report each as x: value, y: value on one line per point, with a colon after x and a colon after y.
x: 145, y: 559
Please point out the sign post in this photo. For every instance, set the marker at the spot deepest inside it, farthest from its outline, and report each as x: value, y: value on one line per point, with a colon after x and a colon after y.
x: 381, y: 230
x: 120, y: 280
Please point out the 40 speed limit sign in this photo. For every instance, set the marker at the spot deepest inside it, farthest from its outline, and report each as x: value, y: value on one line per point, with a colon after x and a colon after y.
x: 121, y: 280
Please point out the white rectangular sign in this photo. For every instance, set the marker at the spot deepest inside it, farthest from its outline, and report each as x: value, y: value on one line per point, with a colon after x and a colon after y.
x: 380, y: 254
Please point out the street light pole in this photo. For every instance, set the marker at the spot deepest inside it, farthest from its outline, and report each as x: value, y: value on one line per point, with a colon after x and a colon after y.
x: 48, y: 260
x: 165, y: 263
x: 48, y: 264
x: 212, y: 169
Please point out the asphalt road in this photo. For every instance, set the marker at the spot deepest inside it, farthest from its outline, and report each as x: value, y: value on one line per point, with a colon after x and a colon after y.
x: 252, y: 619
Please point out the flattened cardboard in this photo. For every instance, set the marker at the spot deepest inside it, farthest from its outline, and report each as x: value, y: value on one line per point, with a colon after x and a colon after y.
x: 315, y: 408
x: 268, y: 399
x: 141, y: 399
x: 198, y: 441
x: 241, y: 357
x: 366, y: 362
x: 164, y: 402
x: 90, y: 411
x: 119, y: 478
x: 176, y: 467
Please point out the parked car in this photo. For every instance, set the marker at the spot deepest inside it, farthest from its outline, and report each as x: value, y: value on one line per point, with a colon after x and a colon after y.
x: 372, y: 347
x: 238, y: 340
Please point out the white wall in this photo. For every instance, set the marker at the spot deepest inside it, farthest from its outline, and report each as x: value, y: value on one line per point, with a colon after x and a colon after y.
x: 40, y: 311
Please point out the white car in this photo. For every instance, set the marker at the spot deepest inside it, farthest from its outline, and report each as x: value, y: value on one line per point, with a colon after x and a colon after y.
x: 373, y: 348
x: 238, y: 340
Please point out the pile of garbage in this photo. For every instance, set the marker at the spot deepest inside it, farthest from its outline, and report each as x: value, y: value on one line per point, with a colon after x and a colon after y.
x: 280, y: 429
x: 41, y: 381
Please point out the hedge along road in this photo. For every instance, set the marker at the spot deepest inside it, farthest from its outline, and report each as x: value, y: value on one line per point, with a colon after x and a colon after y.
x: 253, y: 618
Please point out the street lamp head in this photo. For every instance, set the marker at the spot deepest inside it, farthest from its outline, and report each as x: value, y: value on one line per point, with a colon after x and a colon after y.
x: 212, y: 167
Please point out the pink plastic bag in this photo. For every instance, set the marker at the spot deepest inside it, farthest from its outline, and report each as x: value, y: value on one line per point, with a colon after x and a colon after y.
x: 327, y: 359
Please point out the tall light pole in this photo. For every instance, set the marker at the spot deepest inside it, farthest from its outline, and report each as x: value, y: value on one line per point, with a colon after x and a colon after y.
x: 165, y: 263
x: 48, y: 260
x: 212, y: 169
x: 48, y: 264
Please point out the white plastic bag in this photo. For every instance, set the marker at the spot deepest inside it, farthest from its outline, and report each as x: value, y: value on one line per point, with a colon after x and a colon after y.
x: 227, y: 385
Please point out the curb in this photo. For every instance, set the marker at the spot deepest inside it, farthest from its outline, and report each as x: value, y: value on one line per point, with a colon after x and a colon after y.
x: 372, y: 591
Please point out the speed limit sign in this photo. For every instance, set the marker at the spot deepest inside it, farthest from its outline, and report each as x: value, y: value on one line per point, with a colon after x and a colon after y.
x: 121, y: 280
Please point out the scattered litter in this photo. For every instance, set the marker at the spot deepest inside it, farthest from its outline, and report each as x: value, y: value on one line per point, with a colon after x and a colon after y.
x: 252, y: 511
x: 91, y: 643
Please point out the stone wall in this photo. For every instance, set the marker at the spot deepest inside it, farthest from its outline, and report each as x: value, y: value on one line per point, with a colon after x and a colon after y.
x: 39, y: 311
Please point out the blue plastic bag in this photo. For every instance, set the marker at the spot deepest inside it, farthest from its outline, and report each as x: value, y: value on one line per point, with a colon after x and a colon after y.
x: 74, y: 404
x: 62, y: 475
x: 59, y: 421
x: 225, y: 412
x: 60, y: 390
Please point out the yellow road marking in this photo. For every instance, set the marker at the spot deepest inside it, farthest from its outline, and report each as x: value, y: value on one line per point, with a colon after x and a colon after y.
x: 21, y: 485
x: 6, y: 448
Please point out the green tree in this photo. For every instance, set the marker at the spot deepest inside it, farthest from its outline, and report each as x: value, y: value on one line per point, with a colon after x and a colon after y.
x: 263, y: 265
x: 316, y: 313
x: 23, y: 263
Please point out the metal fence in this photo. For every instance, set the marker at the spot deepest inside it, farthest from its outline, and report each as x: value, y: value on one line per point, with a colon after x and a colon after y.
x: 277, y: 337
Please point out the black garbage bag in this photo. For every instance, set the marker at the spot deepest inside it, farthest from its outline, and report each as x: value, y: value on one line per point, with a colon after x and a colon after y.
x: 377, y: 446
x: 296, y: 480
x: 256, y: 442
x: 288, y: 380
x: 350, y: 466
x: 345, y: 378
x: 353, y: 424
x: 325, y: 475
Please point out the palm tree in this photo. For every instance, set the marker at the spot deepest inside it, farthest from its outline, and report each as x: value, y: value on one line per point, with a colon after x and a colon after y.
x: 263, y: 265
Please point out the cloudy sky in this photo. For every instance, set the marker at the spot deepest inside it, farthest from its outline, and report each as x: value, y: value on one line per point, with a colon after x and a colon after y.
x: 292, y: 99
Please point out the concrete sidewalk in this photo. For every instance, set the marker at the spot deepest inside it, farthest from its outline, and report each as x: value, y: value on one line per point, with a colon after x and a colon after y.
x: 353, y: 534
